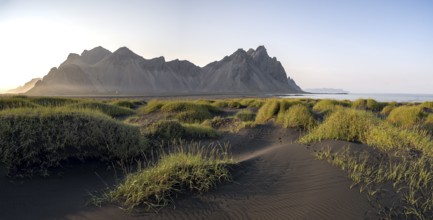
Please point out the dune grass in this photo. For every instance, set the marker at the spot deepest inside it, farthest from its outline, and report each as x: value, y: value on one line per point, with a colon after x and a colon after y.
x: 184, y: 111
x: 299, y: 117
x: 411, y: 181
x: 246, y: 115
x: 325, y: 105
x: 108, y: 109
x: 33, y: 140
x: 127, y: 103
x: 16, y: 102
x: 368, y: 104
x: 197, y: 169
x: 344, y: 124
x: 172, y: 130
x: 406, y: 116
x: 269, y: 109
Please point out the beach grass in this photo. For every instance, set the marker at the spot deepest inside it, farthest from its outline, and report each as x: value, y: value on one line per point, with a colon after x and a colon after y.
x: 192, y: 168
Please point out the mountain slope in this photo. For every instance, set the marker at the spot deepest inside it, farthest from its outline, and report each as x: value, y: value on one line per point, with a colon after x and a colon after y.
x: 24, y: 88
x: 122, y: 72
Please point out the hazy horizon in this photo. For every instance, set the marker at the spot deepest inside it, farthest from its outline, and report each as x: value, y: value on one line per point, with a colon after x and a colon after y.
x: 358, y: 46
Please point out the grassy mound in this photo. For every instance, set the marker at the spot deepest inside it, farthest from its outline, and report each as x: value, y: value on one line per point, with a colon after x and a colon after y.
x: 368, y: 104
x: 406, y: 116
x: 300, y: 117
x: 199, y: 169
x: 344, y: 124
x: 269, y: 109
x: 52, y: 101
x: 111, y: 110
x: 325, y: 105
x: 246, y: 115
x: 172, y: 130
x: 131, y: 104
x: 15, y: 102
x: 33, y: 140
x: 184, y: 111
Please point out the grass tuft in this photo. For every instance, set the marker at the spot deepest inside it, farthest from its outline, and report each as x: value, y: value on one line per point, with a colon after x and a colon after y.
x: 197, y: 169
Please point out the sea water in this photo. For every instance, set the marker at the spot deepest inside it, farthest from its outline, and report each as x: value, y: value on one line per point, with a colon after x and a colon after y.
x: 381, y: 97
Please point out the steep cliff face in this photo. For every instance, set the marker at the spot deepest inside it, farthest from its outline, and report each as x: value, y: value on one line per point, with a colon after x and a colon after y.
x: 246, y: 72
x: 100, y: 72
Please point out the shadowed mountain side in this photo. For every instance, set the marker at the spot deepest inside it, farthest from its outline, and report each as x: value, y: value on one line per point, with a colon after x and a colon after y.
x: 100, y: 72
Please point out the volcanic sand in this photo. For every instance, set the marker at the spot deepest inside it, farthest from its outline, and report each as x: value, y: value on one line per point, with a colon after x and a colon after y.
x: 275, y: 179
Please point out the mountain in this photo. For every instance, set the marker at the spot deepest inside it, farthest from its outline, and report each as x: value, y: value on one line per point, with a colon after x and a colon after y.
x: 122, y: 72
x: 327, y: 91
x: 24, y: 88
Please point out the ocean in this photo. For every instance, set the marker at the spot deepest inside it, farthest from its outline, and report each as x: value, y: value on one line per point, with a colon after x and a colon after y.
x: 381, y: 97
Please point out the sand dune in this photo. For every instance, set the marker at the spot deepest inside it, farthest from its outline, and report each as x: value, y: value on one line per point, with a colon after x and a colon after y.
x: 276, y: 179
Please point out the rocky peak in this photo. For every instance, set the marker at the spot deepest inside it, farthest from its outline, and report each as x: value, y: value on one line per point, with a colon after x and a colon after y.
x: 94, y: 55
x: 125, y: 52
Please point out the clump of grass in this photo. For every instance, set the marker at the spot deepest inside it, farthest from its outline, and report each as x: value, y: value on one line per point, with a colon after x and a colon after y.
x: 33, y: 140
x: 387, y: 137
x: 184, y: 111
x: 200, y: 131
x: 268, y: 111
x: 246, y: 115
x: 362, y: 126
x: 152, y: 106
x: 197, y: 169
x: 53, y: 101
x: 368, y: 104
x: 228, y: 104
x: 110, y: 110
x: 388, y: 108
x: 131, y: 104
x: 300, y: 117
x: 428, y: 123
x: 284, y: 105
x: 252, y: 103
x: 15, y: 102
x: 343, y: 124
x: 411, y: 180
x: 325, y: 105
x: 173, y: 130
x: 406, y: 116
x: 166, y: 130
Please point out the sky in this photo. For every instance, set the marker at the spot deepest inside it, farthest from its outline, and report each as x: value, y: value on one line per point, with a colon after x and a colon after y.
x: 363, y: 46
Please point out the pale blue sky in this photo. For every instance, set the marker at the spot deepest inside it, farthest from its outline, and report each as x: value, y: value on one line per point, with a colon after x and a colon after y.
x: 356, y: 45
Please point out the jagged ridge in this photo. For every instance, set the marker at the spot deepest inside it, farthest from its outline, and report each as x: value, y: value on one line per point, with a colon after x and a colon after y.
x: 122, y: 72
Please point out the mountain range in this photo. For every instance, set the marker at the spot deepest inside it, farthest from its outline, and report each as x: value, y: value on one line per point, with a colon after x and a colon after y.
x: 122, y: 72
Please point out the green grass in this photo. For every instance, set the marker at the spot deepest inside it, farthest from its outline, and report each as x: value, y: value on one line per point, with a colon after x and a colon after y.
x: 131, y: 104
x: 269, y: 109
x: 53, y: 101
x: 108, y: 109
x: 172, y: 130
x: 344, y: 124
x: 387, y: 137
x: 184, y: 111
x: 325, y: 105
x: 406, y: 116
x: 388, y: 108
x: 411, y: 180
x: 197, y: 169
x: 300, y: 117
x: 200, y: 131
x: 152, y: 106
x: 33, y: 140
x: 246, y: 115
x: 15, y: 102
x: 368, y: 104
